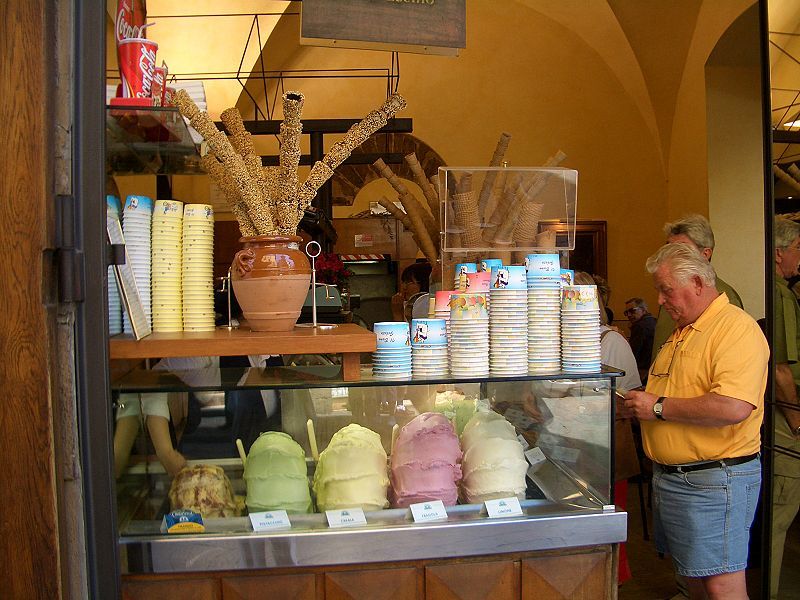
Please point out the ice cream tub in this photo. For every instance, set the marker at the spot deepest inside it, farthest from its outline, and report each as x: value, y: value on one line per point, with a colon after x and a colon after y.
x: 543, y: 265
x: 478, y: 282
x: 487, y: 264
x: 428, y: 332
x: 140, y: 204
x: 464, y: 268
x: 468, y: 307
x: 392, y: 334
x: 579, y: 298
x: 510, y: 277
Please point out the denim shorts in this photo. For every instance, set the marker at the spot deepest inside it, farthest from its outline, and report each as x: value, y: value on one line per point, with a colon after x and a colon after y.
x: 703, y: 518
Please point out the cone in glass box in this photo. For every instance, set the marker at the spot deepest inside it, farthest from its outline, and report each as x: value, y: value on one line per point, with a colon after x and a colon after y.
x: 270, y: 278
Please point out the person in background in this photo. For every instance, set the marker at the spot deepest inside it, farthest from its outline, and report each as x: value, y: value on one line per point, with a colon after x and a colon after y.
x: 786, y: 351
x: 643, y: 326
x: 604, y: 291
x: 615, y: 352
x: 414, y: 279
x: 701, y: 417
x: 696, y: 231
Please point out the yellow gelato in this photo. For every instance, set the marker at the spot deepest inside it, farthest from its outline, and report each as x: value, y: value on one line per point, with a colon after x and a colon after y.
x: 352, y: 471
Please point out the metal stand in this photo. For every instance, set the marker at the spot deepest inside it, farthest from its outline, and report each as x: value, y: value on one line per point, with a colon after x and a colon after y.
x: 226, y: 287
x: 313, y: 250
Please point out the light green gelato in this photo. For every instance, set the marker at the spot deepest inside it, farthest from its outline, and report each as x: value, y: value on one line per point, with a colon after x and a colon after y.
x: 276, y: 475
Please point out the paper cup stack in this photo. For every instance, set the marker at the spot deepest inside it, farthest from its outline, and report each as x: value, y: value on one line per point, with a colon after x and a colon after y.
x: 442, y: 307
x: 469, y: 336
x: 463, y: 269
x: 580, y: 329
x: 136, y: 222
x: 114, y: 301
x: 198, y: 268
x: 429, y: 348
x: 508, y: 322
x: 487, y: 264
x: 392, y: 358
x: 544, y: 313
x: 167, y: 261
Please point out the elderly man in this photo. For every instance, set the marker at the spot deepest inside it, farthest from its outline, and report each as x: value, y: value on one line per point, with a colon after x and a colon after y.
x: 696, y: 231
x: 643, y: 327
x: 701, y: 415
x: 786, y: 349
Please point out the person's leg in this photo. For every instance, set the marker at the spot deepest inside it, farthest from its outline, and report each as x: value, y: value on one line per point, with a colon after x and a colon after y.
x: 694, y: 588
x: 786, y: 501
x: 726, y: 586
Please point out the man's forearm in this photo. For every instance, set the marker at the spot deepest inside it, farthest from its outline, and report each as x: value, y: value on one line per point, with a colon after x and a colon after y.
x: 786, y: 391
x: 708, y: 410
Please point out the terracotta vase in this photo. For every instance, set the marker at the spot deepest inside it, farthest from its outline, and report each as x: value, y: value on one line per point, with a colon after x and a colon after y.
x: 271, y: 277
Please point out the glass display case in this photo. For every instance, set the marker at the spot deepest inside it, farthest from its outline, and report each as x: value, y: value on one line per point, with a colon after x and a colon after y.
x: 563, y: 423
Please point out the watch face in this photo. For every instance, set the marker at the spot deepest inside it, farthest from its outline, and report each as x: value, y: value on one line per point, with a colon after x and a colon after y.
x: 657, y: 408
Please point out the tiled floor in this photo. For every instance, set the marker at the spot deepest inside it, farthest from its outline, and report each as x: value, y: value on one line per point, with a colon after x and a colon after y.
x: 653, y: 577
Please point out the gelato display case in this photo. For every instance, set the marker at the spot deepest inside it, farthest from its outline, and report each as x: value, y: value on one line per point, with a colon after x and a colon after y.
x: 316, y: 446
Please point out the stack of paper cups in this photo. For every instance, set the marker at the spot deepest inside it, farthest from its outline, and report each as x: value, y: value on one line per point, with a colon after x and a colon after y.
x: 469, y: 336
x: 392, y: 358
x: 580, y: 329
x: 463, y: 269
x: 442, y: 307
x: 167, y: 261
x: 487, y: 264
x: 136, y: 223
x: 544, y: 313
x: 508, y: 322
x: 429, y: 348
x: 114, y: 301
x: 198, y: 268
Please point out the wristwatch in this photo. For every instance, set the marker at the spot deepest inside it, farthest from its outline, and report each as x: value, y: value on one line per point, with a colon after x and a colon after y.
x: 658, y: 408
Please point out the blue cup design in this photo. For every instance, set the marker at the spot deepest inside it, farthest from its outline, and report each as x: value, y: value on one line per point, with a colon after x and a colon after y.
x: 543, y: 265
x: 487, y: 264
x: 466, y: 268
x: 510, y: 277
x: 428, y: 332
x: 137, y: 203
x: 392, y: 334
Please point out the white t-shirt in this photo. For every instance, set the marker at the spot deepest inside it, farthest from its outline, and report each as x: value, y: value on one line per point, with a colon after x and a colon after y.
x: 615, y: 351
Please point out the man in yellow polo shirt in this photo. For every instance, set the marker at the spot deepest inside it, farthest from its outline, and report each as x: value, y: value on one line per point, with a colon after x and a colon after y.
x: 701, y: 415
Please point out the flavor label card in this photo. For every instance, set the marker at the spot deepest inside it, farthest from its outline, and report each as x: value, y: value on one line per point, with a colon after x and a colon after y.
x: 503, y: 507
x: 346, y: 517
x: 268, y: 521
x: 535, y: 456
x: 424, y: 512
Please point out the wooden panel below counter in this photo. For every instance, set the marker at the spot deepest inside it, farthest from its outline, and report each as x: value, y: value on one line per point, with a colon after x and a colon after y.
x: 577, y: 574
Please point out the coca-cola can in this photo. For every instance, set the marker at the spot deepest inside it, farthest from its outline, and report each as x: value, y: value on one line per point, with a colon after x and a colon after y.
x: 137, y: 64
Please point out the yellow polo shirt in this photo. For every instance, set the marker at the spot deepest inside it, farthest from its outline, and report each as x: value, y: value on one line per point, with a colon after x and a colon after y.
x: 724, y: 352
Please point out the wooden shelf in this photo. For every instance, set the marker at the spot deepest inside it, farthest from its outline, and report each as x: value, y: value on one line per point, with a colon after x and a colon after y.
x: 347, y: 339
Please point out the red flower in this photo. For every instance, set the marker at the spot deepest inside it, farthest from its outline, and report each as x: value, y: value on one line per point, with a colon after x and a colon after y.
x: 331, y: 269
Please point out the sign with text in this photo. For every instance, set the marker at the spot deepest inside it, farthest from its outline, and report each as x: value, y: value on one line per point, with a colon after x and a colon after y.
x: 503, y: 507
x: 424, y: 512
x: 347, y: 517
x: 423, y: 26
x: 267, y: 521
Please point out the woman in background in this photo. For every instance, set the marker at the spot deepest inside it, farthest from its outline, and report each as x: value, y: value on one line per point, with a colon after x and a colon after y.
x: 616, y: 352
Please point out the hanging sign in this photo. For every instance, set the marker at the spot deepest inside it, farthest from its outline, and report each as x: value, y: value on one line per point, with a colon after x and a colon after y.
x: 421, y: 26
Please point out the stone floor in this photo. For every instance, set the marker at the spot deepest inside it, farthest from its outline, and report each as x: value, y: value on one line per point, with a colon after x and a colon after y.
x: 653, y: 577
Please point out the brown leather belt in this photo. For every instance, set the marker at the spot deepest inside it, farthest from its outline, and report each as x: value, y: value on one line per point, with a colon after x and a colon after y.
x: 714, y: 464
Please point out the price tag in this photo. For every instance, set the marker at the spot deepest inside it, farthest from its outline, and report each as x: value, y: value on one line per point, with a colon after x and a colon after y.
x: 266, y: 521
x: 346, y: 517
x: 503, y: 507
x: 523, y: 441
x: 424, y: 512
x: 535, y: 456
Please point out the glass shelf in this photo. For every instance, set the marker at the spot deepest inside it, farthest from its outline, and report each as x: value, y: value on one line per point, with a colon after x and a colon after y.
x: 152, y: 140
x: 311, y: 377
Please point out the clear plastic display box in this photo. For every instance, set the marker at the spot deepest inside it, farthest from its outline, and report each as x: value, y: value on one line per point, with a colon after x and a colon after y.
x: 501, y: 210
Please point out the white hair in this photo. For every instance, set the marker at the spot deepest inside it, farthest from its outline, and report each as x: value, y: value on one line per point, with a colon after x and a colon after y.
x: 785, y: 232
x: 684, y: 263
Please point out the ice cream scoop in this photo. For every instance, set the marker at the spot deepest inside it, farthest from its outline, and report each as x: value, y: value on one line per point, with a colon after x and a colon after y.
x: 276, y: 475
x: 494, y: 462
x: 352, y: 471
x: 425, y: 462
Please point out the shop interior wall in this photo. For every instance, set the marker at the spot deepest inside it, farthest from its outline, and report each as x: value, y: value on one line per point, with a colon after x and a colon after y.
x: 618, y: 86
x: 735, y: 160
